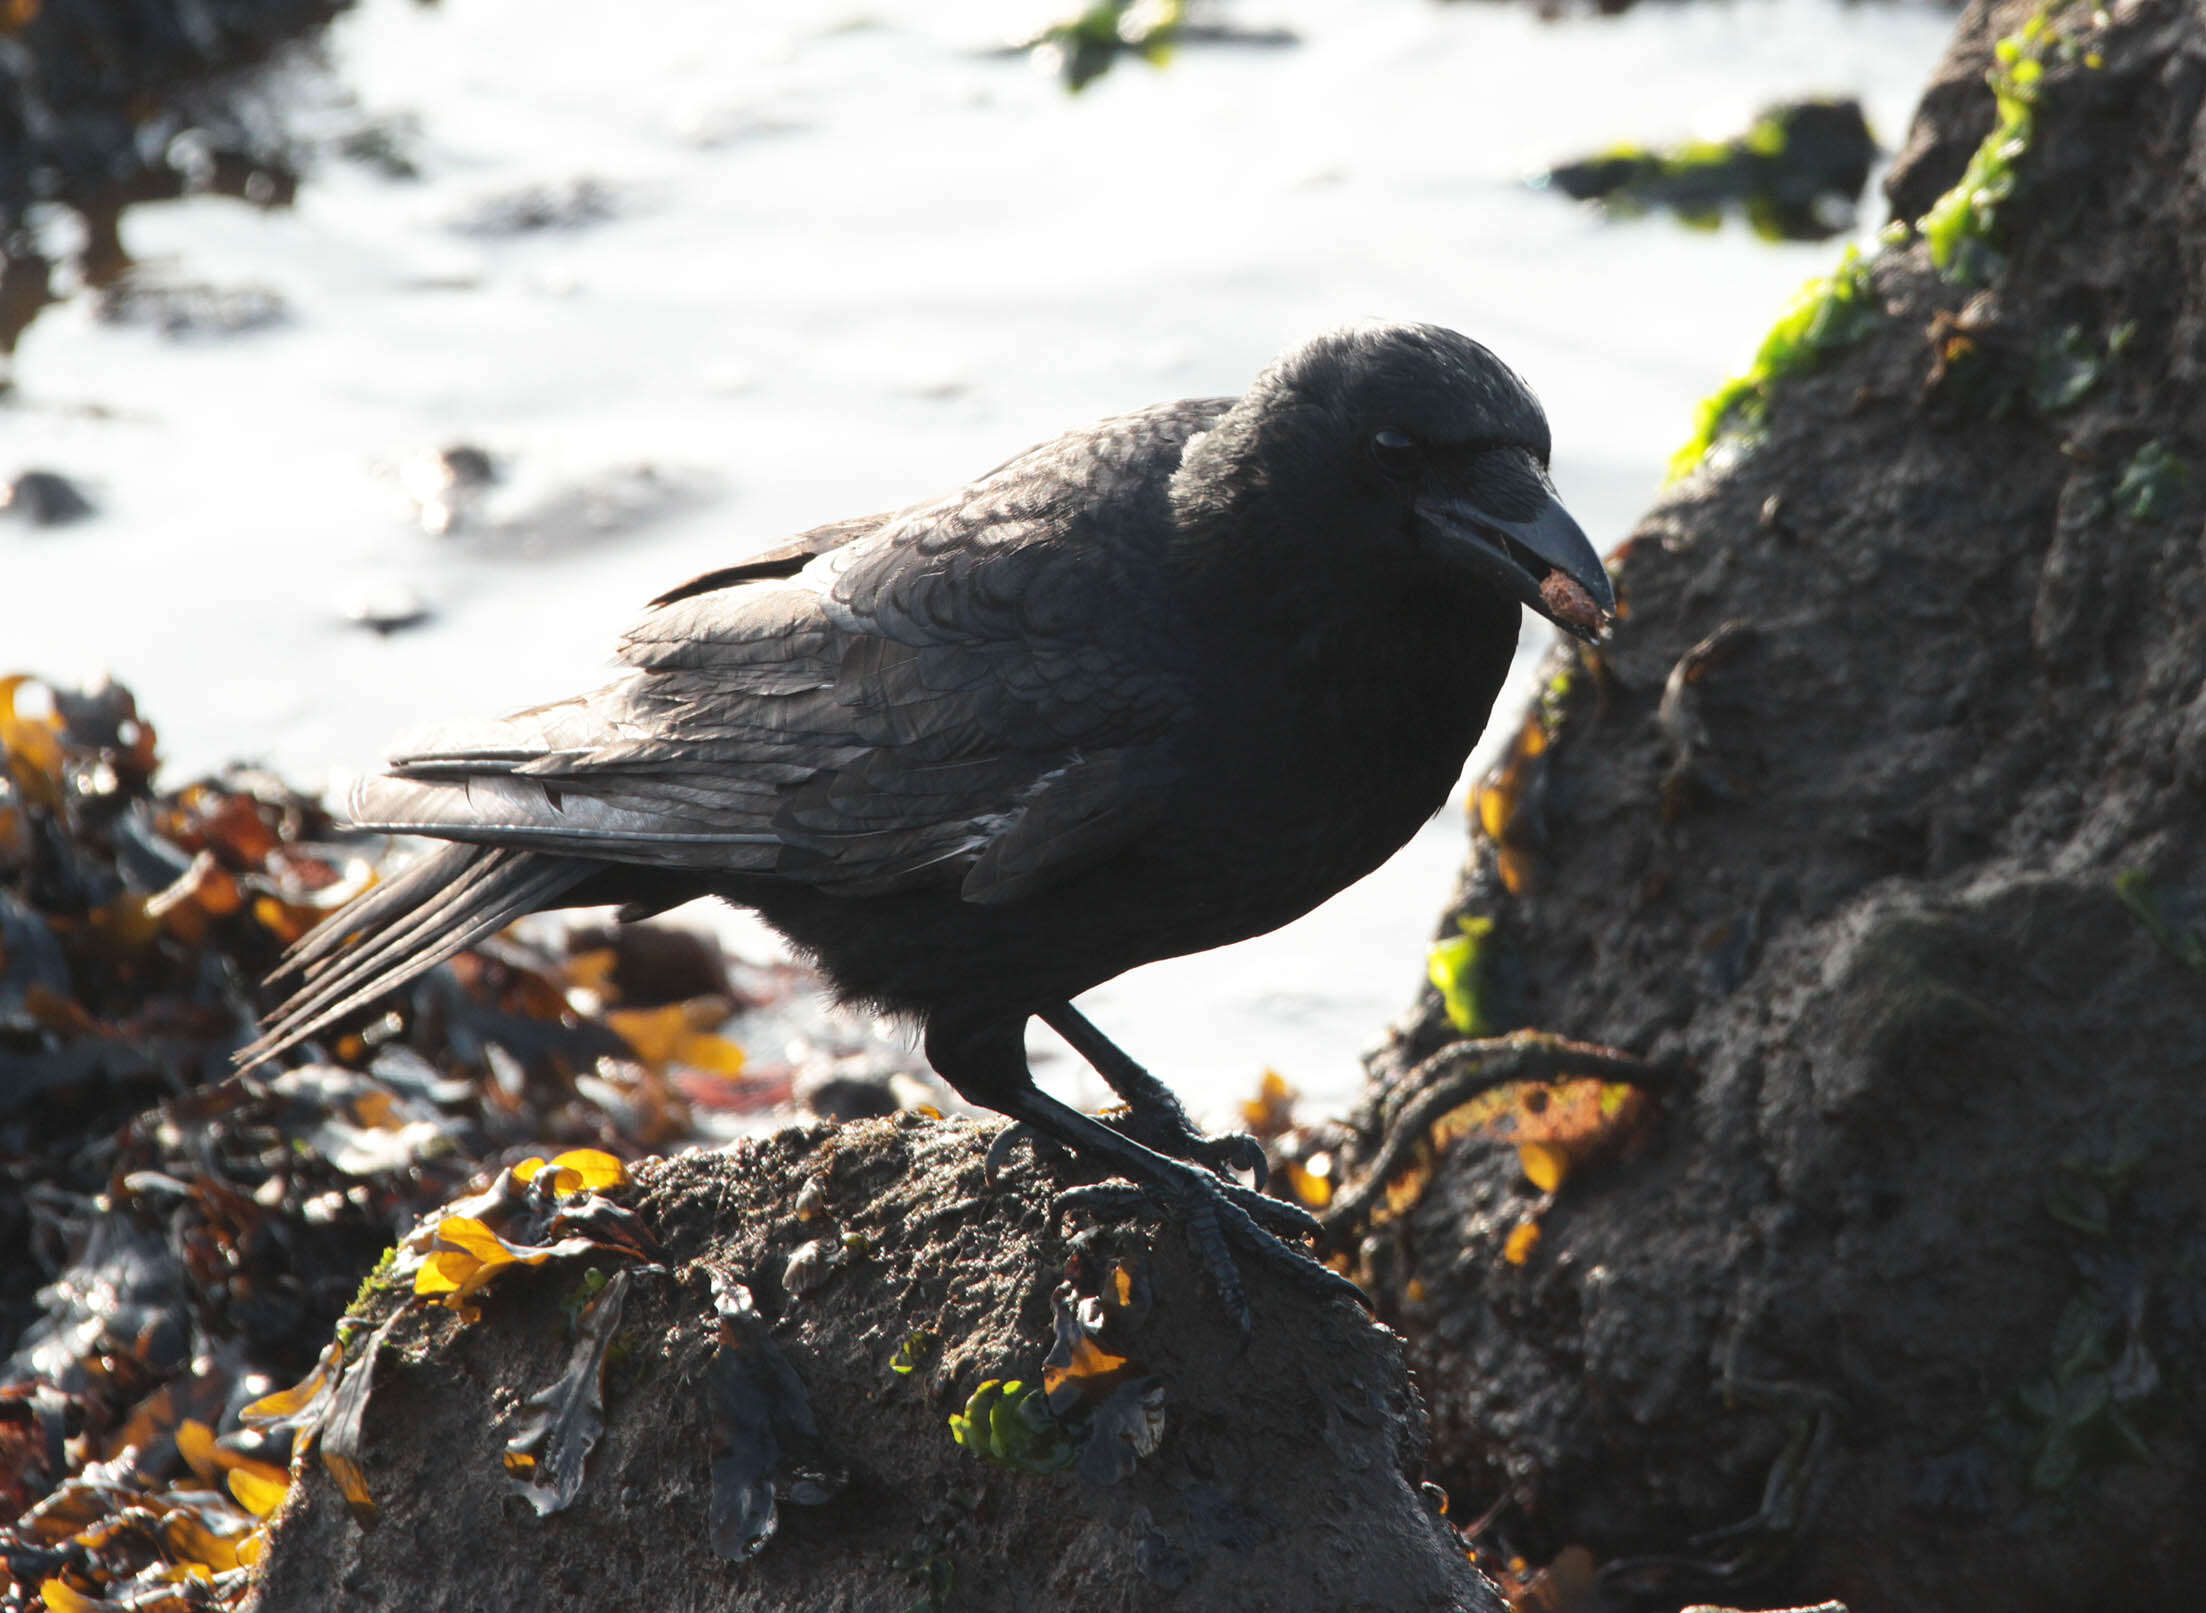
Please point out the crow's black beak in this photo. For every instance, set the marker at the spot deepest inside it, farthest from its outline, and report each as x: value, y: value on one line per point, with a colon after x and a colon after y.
x: 1536, y: 555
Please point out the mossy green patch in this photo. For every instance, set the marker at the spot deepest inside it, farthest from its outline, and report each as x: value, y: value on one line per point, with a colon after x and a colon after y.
x: 2151, y: 483
x: 2080, y: 1412
x: 2103, y: 1371
x: 1087, y: 45
x: 2095, y: 1176
x: 1011, y: 1424
x: 2064, y: 368
x: 914, y: 1350
x: 1555, y: 699
x: 1961, y: 228
x: 580, y: 1297
x: 1960, y: 231
x: 1456, y: 968
x: 379, y: 1278
x: 1796, y: 174
x: 927, y: 1568
x: 1829, y: 313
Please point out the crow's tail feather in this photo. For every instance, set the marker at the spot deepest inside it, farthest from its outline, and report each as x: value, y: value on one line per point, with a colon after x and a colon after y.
x: 451, y: 899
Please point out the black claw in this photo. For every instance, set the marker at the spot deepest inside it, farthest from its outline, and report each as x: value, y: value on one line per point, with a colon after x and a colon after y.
x: 998, y: 1157
x: 1103, y: 1200
x: 1232, y: 1152
x: 999, y: 1151
x: 1259, y: 1162
x: 1226, y: 1155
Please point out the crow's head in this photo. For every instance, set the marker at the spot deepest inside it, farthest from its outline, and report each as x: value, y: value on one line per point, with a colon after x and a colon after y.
x: 1418, y: 439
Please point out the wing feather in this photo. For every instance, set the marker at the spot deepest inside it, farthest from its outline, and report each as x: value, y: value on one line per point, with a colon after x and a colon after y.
x: 451, y: 899
x: 970, y: 693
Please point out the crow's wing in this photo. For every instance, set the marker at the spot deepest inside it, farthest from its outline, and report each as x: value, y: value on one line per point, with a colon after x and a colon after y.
x: 974, y: 693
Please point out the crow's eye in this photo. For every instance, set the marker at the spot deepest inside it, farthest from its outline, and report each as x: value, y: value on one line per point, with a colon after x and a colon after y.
x: 1397, y: 452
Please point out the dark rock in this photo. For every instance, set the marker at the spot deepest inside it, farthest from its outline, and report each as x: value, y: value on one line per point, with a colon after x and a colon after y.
x: 1951, y: 120
x: 187, y: 309
x: 466, y: 465
x: 1285, y: 1473
x: 388, y: 611
x: 654, y: 964
x: 533, y: 209
x: 842, y: 1096
x: 26, y: 286
x: 1903, y: 1298
x: 382, y: 145
x: 446, y: 487
x: 45, y: 498
x: 1089, y: 43
x: 1796, y: 174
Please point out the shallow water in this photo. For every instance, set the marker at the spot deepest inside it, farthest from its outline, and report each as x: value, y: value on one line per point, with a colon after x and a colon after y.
x: 841, y: 259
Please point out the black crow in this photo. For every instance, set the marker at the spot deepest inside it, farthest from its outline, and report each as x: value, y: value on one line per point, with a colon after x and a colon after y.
x: 1158, y: 685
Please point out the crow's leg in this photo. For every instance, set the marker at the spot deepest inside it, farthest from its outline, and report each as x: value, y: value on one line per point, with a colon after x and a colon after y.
x: 984, y: 1058
x: 1154, y: 1114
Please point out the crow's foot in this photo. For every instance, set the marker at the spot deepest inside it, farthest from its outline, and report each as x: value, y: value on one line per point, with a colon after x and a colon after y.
x: 1217, y: 1216
x: 1230, y: 1154
x: 1153, y: 1117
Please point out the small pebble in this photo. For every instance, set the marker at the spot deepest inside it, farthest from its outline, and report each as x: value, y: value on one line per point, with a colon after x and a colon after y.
x: 388, y: 611
x: 811, y: 1265
x: 45, y: 498
x: 811, y: 1202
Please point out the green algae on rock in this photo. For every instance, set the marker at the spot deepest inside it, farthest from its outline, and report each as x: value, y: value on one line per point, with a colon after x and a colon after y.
x: 1796, y: 174
x: 1829, y: 312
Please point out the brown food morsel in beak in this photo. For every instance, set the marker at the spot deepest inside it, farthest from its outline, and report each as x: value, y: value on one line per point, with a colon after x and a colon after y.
x: 1569, y: 601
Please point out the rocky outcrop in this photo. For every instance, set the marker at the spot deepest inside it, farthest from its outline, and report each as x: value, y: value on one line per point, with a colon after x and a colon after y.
x: 821, y: 1393
x: 1879, y: 823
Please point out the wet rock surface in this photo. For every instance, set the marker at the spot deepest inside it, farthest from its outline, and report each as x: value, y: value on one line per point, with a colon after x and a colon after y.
x: 1285, y: 1470
x: 1878, y: 820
